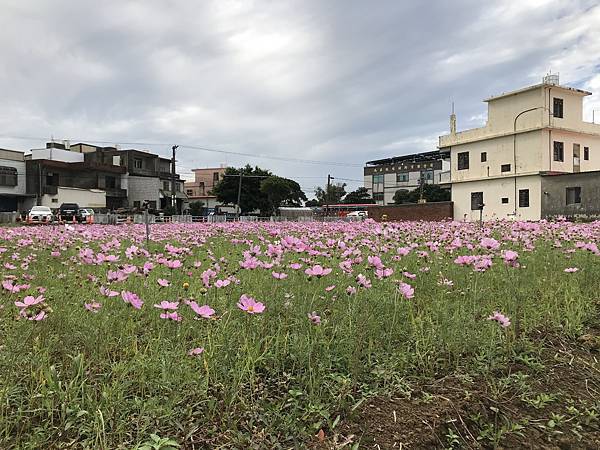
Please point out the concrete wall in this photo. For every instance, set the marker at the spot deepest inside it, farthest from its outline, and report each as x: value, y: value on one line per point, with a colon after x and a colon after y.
x: 93, y: 198
x: 494, y: 190
x: 20, y: 188
x: 56, y: 154
x: 434, y: 211
x: 554, y: 201
x: 142, y: 189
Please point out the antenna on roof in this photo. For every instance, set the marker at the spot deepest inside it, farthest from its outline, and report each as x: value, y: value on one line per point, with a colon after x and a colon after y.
x: 452, y: 121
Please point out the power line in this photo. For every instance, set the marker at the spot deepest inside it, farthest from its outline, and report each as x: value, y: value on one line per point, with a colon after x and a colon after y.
x: 196, y: 147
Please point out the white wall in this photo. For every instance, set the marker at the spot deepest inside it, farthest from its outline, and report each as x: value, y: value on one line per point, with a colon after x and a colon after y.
x: 93, y: 198
x: 56, y: 154
x: 493, y: 192
x: 20, y: 188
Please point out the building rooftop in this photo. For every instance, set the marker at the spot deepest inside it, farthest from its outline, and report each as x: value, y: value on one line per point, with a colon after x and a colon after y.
x: 415, y: 157
x: 537, y: 86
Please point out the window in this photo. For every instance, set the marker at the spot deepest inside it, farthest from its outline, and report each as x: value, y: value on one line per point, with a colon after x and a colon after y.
x: 52, y: 179
x: 136, y: 204
x: 573, y: 195
x: 166, y: 186
x: 523, y: 198
x: 189, y: 192
x: 559, y: 151
x: 504, y: 199
x: 110, y: 182
x: 378, y: 196
x: 483, y: 156
x: 558, y: 108
x: 215, y: 177
x: 54, y: 200
x: 427, y: 175
x: 378, y: 179
x: 151, y: 204
x: 178, y: 187
x: 505, y: 168
x: 476, y: 201
x: 402, y: 177
x: 586, y: 153
x: 8, y: 176
x: 463, y: 160
x: 137, y: 163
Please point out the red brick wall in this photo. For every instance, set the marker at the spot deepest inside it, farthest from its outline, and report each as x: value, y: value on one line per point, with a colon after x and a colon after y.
x: 434, y: 211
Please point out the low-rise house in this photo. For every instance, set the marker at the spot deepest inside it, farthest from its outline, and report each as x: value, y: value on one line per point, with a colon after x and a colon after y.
x: 13, y: 192
x: 200, y: 189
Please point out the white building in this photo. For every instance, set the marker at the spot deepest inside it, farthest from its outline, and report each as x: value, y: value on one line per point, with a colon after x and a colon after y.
x: 383, y: 177
x: 530, y: 132
x: 13, y: 192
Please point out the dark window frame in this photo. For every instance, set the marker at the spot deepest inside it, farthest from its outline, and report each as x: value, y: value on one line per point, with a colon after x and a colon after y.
x: 586, y: 153
x: 463, y: 160
x: 558, y: 154
x: 505, y: 168
x: 483, y: 156
x: 523, y: 198
x: 558, y: 107
x: 378, y: 175
x: 477, y: 201
x: 574, y: 194
x: 402, y: 174
x: 504, y: 200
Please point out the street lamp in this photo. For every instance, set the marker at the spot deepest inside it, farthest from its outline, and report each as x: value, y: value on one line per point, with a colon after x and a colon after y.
x: 515, y: 148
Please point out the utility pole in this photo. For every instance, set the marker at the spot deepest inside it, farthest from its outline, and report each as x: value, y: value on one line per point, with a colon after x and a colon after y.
x: 327, y: 194
x: 173, y: 190
x: 239, y: 196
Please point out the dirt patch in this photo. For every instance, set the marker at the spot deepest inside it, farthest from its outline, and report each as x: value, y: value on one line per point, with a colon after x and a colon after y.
x: 549, y: 402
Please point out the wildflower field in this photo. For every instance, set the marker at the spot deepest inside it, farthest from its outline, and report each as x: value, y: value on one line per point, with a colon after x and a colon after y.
x: 300, y: 335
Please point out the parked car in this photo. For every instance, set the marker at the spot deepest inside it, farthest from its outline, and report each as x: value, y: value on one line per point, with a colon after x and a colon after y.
x: 40, y: 214
x: 357, y: 214
x: 84, y: 213
x: 68, y: 210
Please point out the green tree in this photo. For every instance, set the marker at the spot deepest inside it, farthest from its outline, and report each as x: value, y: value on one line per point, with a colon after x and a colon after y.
x: 252, y: 198
x: 196, y: 208
x: 431, y: 193
x: 334, y: 195
x: 281, y: 191
x: 361, y: 195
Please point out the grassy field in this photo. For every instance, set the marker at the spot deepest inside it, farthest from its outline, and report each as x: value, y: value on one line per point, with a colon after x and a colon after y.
x: 342, y: 335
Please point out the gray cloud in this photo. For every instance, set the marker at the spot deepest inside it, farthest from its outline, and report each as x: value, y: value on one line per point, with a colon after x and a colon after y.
x: 344, y: 81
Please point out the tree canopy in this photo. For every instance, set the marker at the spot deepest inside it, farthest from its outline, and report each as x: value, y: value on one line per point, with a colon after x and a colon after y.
x: 361, y: 195
x: 261, y: 190
x: 334, y: 195
x: 431, y: 193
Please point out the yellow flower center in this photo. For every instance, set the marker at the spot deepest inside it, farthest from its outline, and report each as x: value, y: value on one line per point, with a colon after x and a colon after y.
x: 250, y: 308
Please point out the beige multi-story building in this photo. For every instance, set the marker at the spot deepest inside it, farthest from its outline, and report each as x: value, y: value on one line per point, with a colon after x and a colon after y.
x: 201, y: 188
x: 499, y: 171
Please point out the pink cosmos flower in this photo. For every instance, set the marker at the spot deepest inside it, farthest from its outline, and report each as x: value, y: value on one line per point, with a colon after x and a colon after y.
x: 317, y: 271
x: 93, y: 307
x: 406, y: 290
x: 375, y: 261
x: 196, y: 351
x: 167, y: 305
x: 489, y: 243
x: 511, y: 257
x: 175, y: 264
x: 500, y: 318
x: 164, y: 283
x: 222, y: 283
x: 571, y: 269
x: 330, y: 288
x: 314, y: 318
x: 279, y: 276
x: 14, y: 288
x: 107, y: 292
x: 412, y: 276
x: 39, y: 316
x: 204, y: 311
x: 295, y: 266
x: 197, y: 264
x: 363, y: 281
x: 171, y: 316
x: 28, y: 301
x: 250, y: 305
x: 132, y: 299
x: 351, y: 290
x: 403, y: 251
x: 384, y: 272
x: 55, y: 253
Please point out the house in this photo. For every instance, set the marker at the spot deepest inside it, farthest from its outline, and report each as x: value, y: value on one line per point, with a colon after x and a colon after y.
x: 383, y: 177
x: 56, y: 175
x: 146, y: 177
x: 509, y: 168
x: 201, y: 188
x: 13, y: 193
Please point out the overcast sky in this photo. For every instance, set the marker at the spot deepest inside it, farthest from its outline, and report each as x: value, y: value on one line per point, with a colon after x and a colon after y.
x: 338, y: 81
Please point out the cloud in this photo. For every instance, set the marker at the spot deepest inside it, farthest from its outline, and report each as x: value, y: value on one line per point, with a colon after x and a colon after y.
x: 347, y: 81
